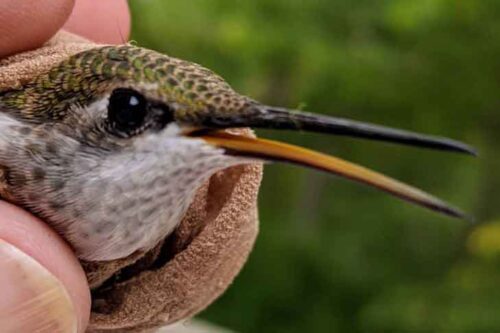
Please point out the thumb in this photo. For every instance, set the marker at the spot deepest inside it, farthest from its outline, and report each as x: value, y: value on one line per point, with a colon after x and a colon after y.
x: 33, y: 299
x: 42, y: 285
x: 27, y: 24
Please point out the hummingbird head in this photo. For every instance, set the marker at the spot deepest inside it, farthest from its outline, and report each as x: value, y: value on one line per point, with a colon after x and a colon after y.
x: 111, y: 145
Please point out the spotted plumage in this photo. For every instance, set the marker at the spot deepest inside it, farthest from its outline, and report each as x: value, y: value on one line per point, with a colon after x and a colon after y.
x: 110, y: 145
x: 85, y: 76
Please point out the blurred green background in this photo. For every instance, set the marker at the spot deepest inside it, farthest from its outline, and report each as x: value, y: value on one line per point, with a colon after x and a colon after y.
x: 332, y: 255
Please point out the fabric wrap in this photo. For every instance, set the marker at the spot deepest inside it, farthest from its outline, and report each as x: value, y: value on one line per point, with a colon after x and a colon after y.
x: 188, y: 270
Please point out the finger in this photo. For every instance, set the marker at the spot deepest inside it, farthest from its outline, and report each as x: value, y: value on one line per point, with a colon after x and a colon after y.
x: 27, y: 24
x: 101, y: 21
x: 45, y: 286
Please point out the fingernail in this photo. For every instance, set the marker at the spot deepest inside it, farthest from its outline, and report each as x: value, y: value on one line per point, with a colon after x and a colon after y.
x: 32, y: 299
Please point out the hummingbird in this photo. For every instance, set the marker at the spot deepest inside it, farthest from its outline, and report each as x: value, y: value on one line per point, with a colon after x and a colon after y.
x: 110, y: 145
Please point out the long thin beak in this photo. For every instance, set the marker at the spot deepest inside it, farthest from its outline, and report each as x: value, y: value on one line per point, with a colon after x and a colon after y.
x: 261, y: 116
x: 257, y: 115
x: 276, y: 151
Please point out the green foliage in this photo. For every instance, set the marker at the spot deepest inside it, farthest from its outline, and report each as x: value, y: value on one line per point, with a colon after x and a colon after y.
x: 333, y: 255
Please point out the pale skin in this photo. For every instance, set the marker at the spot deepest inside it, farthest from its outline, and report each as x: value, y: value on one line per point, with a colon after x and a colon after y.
x: 36, y: 266
x: 25, y: 25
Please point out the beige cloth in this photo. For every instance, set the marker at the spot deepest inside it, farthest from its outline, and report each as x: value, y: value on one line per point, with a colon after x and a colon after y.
x: 194, y: 326
x: 192, y: 267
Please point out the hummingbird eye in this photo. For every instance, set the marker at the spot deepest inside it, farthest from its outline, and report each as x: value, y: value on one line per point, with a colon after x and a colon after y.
x: 127, y: 110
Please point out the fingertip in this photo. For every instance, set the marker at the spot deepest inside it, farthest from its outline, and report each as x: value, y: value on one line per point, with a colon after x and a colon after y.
x: 106, y: 22
x: 37, y: 240
x: 26, y: 24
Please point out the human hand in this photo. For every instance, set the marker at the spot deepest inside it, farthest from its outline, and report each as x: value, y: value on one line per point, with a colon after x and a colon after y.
x: 43, y: 287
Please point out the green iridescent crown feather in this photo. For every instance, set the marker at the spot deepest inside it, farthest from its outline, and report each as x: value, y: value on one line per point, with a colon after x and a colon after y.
x: 85, y: 76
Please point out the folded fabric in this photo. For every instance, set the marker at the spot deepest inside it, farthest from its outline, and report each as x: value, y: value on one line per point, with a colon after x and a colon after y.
x: 185, y: 272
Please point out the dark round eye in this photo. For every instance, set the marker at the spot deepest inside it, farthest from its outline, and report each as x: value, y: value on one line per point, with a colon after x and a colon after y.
x: 127, y: 109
